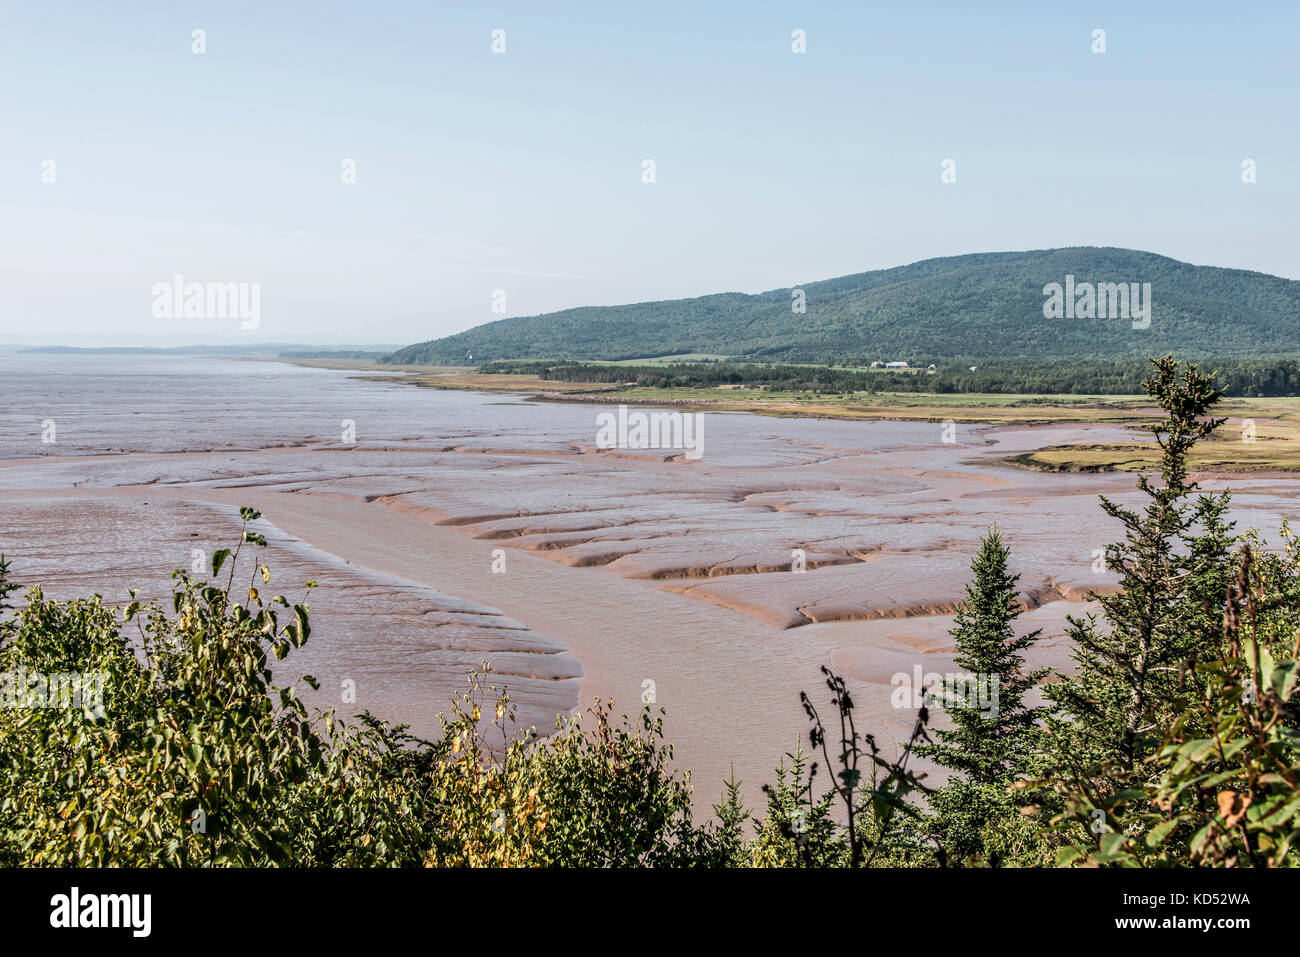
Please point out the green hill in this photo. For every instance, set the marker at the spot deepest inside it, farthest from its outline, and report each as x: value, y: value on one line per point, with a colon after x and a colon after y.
x: 980, y: 305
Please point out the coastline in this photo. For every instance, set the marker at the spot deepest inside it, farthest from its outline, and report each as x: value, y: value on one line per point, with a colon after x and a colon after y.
x: 1277, y: 419
x: 651, y: 571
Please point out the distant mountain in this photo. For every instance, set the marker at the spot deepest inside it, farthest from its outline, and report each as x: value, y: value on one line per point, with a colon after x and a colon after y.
x: 984, y: 305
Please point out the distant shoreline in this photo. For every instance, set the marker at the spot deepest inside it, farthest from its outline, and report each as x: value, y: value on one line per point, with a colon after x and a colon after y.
x: 1277, y: 453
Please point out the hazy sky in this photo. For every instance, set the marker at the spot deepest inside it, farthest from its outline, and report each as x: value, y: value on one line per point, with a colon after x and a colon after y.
x: 522, y: 171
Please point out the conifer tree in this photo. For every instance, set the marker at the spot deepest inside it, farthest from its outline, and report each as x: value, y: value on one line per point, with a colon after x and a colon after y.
x: 976, y: 816
x: 992, y: 729
x: 1129, y: 665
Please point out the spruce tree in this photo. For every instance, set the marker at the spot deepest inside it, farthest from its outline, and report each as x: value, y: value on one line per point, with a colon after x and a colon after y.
x: 976, y: 816
x: 1127, y: 667
x: 989, y: 740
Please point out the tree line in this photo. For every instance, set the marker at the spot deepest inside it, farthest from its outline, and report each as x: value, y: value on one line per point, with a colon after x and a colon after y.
x: 1237, y: 378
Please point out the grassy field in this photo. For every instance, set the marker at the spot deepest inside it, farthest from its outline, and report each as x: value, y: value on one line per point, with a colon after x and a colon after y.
x: 1276, y: 445
x: 995, y: 409
x: 1272, y: 446
x: 484, y: 382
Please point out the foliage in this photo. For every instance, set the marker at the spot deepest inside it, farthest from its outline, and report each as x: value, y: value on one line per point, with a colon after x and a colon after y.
x: 982, y: 306
x: 1127, y: 668
x: 992, y: 742
x: 993, y: 730
x: 1174, y: 744
x: 961, y: 375
x: 1224, y: 787
x: 198, y: 757
x: 1177, y: 744
x: 879, y: 820
x: 604, y: 796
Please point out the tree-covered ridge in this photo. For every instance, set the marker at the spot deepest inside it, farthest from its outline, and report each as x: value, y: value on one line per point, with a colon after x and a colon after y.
x: 983, y: 305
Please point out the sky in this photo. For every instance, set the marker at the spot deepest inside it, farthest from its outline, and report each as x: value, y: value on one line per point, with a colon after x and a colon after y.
x: 515, y: 180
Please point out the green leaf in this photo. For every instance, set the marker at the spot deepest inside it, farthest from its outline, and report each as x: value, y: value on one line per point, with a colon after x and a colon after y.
x: 1112, y: 842
x: 1284, y: 813
x: 1284, y: 678
x: 1157, y: 834
x: 1068, y: 854
x: 1265, y: 662
x: 1196, y: 749
x: 218, y: 559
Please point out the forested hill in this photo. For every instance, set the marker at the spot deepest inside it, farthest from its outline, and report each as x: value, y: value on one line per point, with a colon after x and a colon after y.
x: 981, y: 305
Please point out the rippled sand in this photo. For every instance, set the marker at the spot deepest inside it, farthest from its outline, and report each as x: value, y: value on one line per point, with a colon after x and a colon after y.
x: 623, y: 571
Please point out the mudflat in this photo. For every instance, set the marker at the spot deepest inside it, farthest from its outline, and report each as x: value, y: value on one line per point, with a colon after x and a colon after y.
x: 451, y: 527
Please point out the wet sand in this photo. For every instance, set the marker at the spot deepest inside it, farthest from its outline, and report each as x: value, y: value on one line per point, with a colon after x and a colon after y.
x: 621, y: 568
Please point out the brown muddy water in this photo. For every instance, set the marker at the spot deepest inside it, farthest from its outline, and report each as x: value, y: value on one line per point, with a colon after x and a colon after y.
x: 449, y: 528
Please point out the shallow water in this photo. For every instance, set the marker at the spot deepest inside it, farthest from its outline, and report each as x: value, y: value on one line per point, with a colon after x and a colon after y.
x: 620, y: 568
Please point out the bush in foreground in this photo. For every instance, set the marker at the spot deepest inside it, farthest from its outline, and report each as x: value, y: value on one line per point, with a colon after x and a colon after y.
x: 1176, y: 744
